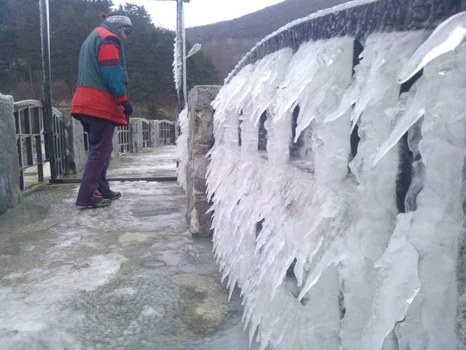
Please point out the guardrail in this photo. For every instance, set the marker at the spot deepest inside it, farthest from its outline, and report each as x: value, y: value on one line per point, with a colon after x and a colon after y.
x: 167, y: 133
x: 146, y: 129
x: 36, y: 165
x: 34, y: 160
x: 124, y: 139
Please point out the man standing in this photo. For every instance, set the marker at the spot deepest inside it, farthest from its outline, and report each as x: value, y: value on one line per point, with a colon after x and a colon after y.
x: 100, y: 102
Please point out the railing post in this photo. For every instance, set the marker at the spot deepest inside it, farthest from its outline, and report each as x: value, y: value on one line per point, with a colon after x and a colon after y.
x: 47, y: 91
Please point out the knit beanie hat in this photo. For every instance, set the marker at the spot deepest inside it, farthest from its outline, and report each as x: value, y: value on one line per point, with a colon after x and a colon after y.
x: 119, y: 20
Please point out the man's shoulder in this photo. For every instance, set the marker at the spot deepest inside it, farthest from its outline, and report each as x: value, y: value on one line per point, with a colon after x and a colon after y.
x: 105, y: 33
x: 92, y: 37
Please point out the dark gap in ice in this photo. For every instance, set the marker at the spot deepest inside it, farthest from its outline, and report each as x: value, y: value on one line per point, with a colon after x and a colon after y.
x: 358, y: 48
x: 240, y: 121
x: 259, y: 226
x: 405, y: 173
x: 295, y: 147
x: 406, y: 157
x: 354, y: 140
x: 418, y: 167
x: 406, y: 86
x: 262, y: 133
x: 291, y: 283
x: 341, y: 305
x: 240, y: 141
x: 290, y: 271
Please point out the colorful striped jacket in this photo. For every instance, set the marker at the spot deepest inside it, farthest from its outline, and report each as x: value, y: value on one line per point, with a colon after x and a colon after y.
x: 102, y: 76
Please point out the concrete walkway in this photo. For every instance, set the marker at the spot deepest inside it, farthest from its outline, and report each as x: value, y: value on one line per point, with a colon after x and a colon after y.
x: 123, y: 277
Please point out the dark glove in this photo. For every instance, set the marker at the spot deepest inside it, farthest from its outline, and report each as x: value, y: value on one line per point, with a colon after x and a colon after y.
x: 128, y: 108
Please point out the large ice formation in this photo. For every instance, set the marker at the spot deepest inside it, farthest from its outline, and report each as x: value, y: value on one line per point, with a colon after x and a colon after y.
x: 338, y: 239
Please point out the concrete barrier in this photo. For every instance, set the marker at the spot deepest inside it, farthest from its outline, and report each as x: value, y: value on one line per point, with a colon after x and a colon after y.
x: 9, y: 166
x: 200, y: 141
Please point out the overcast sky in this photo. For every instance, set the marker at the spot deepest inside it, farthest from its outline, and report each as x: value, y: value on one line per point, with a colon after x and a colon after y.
x: 200, y: 12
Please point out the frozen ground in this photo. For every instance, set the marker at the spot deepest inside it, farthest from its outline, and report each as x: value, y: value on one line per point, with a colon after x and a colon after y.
x: 150, y: 163
x: 123, y: 277
x: 153, y: 162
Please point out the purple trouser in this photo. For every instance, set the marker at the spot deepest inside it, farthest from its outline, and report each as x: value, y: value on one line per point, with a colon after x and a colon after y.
x: 100, y: 136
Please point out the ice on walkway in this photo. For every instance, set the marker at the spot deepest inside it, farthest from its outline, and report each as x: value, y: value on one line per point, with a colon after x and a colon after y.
x: 123, y: 277
x: 155, y: 162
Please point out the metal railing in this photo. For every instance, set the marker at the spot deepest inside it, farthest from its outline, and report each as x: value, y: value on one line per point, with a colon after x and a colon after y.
x: 167, y: 133
x: 31, y: 141
x: 146, y: 129
x: 41, y: 141
x: 124, y: 139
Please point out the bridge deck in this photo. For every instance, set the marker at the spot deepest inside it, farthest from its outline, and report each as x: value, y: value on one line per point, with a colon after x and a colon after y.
x: 150, y: 164
x: 123, y: 277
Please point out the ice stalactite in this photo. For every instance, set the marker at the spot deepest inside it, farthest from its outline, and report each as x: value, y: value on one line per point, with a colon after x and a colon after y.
x: 263, y: 185
x: 182, y: 148
x: 437, y: 224
x: 446, y: 37
x: 373, y: 224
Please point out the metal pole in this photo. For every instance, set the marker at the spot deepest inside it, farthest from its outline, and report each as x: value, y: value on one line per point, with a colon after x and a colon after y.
x: 179, y: 54
x: 183, y: 39
x: 47, y: 91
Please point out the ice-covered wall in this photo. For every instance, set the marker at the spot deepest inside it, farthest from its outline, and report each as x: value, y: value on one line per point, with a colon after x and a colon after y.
x: 338, y: 191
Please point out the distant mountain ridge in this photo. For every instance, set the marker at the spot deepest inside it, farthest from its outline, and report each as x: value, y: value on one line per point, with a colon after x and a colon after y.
x: 227, y: 42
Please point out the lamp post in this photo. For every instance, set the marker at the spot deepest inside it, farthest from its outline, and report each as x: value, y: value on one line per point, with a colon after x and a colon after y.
x: 179, y: 64
x: 181, y: 49
x: 47, y: 85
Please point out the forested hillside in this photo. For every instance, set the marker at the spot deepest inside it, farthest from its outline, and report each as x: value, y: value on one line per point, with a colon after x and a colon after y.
x: 227, y: 42
x: 149, y: 53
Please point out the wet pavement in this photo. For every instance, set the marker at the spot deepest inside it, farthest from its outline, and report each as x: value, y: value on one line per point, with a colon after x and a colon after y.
x: 124, y: 277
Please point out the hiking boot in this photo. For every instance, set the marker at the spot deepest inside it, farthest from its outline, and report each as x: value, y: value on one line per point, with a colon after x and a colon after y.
x: 103, y: 203
x: 99, y: 202
x: 112, y: 195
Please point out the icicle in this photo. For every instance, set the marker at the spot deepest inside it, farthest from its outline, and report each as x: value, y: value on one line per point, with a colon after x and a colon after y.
x: 413, y: 109
x: 446, y: 37
x: 399, y: 263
